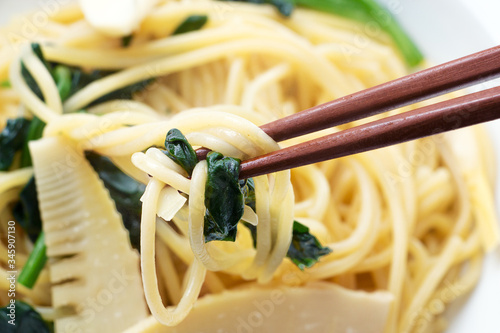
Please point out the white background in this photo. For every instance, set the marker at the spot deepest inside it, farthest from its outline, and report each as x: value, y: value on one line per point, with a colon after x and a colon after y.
x: 487, y: 12
x: 444, y: 29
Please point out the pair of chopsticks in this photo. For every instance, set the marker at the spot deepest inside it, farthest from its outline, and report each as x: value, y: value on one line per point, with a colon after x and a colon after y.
x: 429, y: 120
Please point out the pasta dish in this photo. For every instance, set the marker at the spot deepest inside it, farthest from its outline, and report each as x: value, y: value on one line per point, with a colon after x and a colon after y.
x: 110, y: 222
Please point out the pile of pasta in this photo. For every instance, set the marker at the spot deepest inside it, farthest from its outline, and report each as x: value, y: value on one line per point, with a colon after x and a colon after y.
x: 408, y: 225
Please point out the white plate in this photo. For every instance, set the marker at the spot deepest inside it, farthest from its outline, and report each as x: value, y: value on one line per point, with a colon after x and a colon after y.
x: 444, y: 30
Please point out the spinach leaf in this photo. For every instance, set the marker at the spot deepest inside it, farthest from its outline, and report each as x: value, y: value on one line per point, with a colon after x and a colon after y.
x: 12, y: 139
x: 27, y: 212
x: 80, y: 79
x: 305, y: 249
x: 192, y: 23
x: 180, y: 151
x: 285, y: 7
x: 123, y: 93
x: 62, y: 77
x: 19, y: 317
x: 223, y: 198
x: 124, y: 190
x: 35, y: 132
x: 127, y: 40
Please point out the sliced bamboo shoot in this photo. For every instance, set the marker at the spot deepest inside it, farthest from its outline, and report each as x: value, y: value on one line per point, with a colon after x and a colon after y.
x: 319, y: 307
x: 93, y: 267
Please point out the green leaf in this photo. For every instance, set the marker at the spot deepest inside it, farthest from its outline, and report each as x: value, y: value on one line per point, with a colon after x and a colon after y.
x: 35, y: 132
x: 12, y: 139
x: 180, y: 151
x: 127, y: 40
x: 80, y: 79
x: 223, y: 198
x: 27, y: 212
x: 192, y: 23
x: 35, y: 263
x: 305, y: 249
x: 62, y: 77
x: 124, y: 190
x: 26, y: 319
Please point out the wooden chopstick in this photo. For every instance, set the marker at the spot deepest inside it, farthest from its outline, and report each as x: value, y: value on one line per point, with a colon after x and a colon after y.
x: 456, y: 74
x: 445, y: 116
x: 431, y: 82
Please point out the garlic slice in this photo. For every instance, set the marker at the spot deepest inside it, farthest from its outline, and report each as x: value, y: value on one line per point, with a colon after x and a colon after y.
x: 116, y: 18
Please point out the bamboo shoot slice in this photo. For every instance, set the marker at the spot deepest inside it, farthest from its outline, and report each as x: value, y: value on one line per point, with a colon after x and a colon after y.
x: 93, y: 267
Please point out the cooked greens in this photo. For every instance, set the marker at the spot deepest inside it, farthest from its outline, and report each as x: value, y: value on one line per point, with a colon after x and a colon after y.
x: 22, y: 319
x: 26, y: 211
x: 127, y: 40
x: 35, y: 263
x: 180, y: 151
x: 80, y: 79
x: 224, y: 199
x: 192, y: 23
x: 35, y: 132
x: 12, y: 140
x: 62, y: 77
x: 15, y: 137
x: 27, y: 214
x: 305, y: 249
